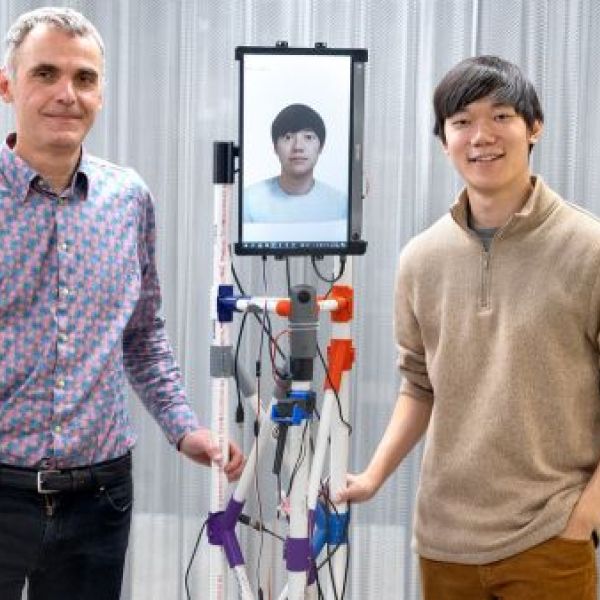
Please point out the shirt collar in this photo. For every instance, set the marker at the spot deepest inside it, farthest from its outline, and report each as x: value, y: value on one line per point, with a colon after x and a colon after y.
x: 538, y: 206
x: 19, y: 176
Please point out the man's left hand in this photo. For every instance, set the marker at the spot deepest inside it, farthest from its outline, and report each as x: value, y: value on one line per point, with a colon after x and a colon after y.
x: 202, y: 447
x: 581, y: 523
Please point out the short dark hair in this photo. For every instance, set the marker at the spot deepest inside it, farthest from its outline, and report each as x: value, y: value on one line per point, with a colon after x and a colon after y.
x: 481, y: 76
x: 296, y: 117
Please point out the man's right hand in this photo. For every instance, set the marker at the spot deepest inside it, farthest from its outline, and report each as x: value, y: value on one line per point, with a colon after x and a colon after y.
x: 359, y: 488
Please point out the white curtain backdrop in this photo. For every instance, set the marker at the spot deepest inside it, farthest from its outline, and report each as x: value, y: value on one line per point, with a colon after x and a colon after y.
x: 172, y: 90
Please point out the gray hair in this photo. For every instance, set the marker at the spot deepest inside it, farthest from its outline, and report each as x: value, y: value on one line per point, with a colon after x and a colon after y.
x: 66, y: 19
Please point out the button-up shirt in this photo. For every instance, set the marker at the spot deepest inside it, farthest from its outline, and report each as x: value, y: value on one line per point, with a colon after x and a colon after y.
x: 79, y: 301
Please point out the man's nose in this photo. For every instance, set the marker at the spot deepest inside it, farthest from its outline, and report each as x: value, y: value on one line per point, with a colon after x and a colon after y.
x: 66, y: 91
x: 297, y: 142
x: 483, y: 133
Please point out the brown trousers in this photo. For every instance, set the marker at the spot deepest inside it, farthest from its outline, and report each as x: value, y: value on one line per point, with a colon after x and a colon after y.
x: 559, y: 569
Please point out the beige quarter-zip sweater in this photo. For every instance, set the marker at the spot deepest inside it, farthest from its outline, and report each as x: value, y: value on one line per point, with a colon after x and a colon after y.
x: 506, y: 346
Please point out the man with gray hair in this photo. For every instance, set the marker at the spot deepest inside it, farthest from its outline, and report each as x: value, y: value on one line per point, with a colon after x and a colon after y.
x: 79, y: 302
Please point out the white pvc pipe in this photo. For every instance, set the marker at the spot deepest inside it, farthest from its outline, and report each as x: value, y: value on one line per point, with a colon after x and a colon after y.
x: 245, y: 591
x: 321, y: 447
x: 247, y: 477
x: 262, y: 303
x: 223, y: 194
x: 340, y: 446
x: 298, y: 447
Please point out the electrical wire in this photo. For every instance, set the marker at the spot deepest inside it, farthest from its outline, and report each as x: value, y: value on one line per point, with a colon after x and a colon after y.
x: 259, y: 526
x: 192, y: 557
x: 278, y: 377
x: 239, y: 417
x: 287, y: 275
x: 299, y: 460
x: 333, y: 280
x: 266, y: 329
x: 260, y: 514
x: 337, y: 546
x: 256, y: 316
x: 258, y: 377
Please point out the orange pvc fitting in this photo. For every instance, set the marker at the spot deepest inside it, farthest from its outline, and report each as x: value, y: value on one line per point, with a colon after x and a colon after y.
x: 283, y: 307
x: 344, y: 295
x: 340, y: 356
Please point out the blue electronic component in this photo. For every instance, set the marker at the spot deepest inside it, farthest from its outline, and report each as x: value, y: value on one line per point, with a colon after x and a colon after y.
x: 297, y: 407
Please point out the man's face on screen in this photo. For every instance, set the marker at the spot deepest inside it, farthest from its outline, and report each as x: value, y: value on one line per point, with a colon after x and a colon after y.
x: 298, y: 152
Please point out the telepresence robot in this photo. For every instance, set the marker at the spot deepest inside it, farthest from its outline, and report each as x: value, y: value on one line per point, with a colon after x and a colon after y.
x: 313, y: 521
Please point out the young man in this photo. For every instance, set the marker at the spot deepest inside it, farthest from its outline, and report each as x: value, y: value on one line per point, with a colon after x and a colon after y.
x: 497, y: 321
x: 79, y: 297
x: 294, y: 196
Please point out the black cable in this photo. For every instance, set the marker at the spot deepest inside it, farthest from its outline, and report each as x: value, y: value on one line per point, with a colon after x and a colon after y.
x: 330, y: 505
x: 258, y: 376
x: 333, y: 279
x: 260, y: 516
x: 258, y: 526
x: 239, y: 415
x: 299, y: 460
x: 256, y: 316
x: 235, y: 275
x: 347, y: 568
x: 320, y: 595
x: 192, y: 557
x: 264, y: 273
x: 327, y: 559
x: 287, y: 275
x: 337, y: 398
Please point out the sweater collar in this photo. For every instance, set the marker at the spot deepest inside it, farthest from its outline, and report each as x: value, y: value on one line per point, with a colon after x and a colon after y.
x: 538, y: 207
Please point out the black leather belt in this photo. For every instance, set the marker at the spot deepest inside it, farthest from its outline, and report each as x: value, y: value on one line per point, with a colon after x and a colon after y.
x: 77, y: 479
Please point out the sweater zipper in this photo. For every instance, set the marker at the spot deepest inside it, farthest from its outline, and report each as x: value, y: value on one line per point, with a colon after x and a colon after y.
x: 484, y: 300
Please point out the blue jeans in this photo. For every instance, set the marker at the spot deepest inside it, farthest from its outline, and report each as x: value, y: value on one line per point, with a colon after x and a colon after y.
x: 68, y: 545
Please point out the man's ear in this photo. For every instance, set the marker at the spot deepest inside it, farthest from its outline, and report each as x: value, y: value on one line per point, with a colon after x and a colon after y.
x: 444, y: 146
x: 535, y: 131
x: 5, y: 86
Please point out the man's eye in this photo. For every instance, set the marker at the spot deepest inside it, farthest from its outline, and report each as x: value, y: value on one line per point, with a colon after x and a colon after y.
x: 460, y: 122
x: 503, y: 116
x: 87, y: 79
x: 44, y: 75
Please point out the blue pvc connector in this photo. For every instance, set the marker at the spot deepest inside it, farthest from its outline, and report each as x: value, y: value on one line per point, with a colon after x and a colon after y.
x: 337, y: 531
x: 319, y: 535
x: 330, y: 528
x: 226, y: 303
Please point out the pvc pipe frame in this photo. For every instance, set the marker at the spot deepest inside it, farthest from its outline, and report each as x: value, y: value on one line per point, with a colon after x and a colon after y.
x: 305, y: 489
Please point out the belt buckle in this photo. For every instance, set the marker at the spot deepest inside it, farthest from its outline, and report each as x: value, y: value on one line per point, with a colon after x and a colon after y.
x: 40, y: 481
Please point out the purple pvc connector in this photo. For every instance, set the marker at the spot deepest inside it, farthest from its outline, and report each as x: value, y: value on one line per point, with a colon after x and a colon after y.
x: 221, y: 526
x: 297, y: 554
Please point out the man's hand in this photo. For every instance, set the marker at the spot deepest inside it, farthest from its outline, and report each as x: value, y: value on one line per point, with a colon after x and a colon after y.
x: 202, y: 447
x: 582, y: 522
x: 359, y: 488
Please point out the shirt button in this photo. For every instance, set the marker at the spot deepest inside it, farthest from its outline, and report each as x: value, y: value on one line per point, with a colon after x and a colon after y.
x: 65, y: 291
x: 63, y: 337
x: 57, y: 428
x: 64, y: 246
x: 62, y: 201
x: 60, y: 383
